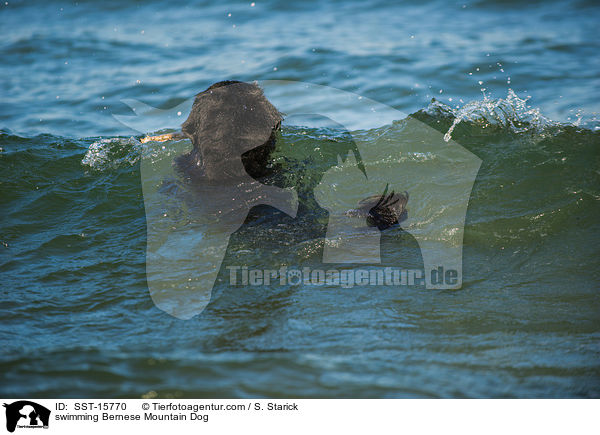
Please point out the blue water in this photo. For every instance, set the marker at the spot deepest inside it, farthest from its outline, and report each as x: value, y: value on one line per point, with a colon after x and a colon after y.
x: 76, y: 317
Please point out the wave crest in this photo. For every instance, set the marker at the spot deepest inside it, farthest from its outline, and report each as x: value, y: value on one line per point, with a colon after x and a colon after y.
x: 112, y: 153
x: 511, y: 113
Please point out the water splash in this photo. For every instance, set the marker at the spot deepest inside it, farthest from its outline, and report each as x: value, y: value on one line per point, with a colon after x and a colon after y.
x: 511, y: 113
x: 112, y: 153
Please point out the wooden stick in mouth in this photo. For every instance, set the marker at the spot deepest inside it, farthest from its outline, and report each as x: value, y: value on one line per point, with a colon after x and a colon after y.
x: 163, y: 137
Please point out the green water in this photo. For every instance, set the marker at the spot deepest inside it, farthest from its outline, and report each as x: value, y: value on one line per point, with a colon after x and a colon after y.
x: 76, y: 315
x: 525, y: 322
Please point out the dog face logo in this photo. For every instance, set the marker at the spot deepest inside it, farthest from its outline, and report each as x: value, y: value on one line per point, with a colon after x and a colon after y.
x: 26, y: 414
x: 367, y: 191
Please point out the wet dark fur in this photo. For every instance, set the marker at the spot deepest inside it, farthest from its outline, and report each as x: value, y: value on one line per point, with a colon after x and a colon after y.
x: 232, y: 127
x: 382, y: 211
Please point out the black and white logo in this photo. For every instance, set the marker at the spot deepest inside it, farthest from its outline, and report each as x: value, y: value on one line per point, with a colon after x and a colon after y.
x: 26, y: 414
